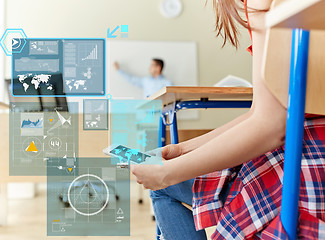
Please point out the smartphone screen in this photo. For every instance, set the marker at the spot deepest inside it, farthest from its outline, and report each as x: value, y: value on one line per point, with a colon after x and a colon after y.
x: 129, y: 154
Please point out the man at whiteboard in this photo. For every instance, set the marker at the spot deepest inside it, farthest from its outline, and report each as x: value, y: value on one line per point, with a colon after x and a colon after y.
x: 149, y: 84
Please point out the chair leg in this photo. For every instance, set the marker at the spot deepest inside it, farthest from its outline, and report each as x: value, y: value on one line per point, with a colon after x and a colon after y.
x: 161, y: 143
x: 158, y: 233
x: 140, y: 188
x: 152, y: 212
x: 294, y: 131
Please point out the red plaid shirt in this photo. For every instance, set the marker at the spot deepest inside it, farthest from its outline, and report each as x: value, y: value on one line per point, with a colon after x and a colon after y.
x: 252, y: 208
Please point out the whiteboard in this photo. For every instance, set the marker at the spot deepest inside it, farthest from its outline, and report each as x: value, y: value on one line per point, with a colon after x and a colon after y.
x: 134, y: 57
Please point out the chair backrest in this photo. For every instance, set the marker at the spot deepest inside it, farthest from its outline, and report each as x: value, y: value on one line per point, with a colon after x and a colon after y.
x: 276, y: 67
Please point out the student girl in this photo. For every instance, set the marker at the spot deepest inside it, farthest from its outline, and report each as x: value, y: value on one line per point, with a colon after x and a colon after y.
x: 232, y: 176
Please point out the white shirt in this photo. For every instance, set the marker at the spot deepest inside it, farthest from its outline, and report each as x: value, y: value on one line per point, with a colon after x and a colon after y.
x: 149, y: 84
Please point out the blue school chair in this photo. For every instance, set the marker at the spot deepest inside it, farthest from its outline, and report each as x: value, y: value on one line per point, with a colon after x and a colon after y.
x: 296, y: 15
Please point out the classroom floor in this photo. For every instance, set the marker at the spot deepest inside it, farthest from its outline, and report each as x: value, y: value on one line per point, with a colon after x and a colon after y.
x: 27, y: 220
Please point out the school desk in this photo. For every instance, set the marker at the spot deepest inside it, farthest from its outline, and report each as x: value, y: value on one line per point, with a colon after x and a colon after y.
x: 180, y: 98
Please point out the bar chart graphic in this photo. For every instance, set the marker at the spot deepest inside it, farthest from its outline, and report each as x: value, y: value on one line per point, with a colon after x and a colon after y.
x: 149, y: 116
x: 92, y: 55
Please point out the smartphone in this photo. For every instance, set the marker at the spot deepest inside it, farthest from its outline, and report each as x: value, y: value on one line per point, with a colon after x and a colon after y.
x: 126, y: 154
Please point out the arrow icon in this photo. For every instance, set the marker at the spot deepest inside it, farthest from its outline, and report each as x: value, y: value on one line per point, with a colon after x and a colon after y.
x: 111, y: 34
x: 14, y: 43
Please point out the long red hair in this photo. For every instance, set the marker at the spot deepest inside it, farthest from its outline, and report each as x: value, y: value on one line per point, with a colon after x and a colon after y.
x: 229, y: 15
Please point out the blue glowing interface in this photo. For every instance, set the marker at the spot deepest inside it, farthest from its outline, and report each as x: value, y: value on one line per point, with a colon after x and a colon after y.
x: 125, y: 153
x: 59, y: 67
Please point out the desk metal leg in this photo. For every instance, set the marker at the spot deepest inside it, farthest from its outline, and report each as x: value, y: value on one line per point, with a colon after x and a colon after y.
x: 158, y: 233
x: 173, y: 139
x: 161, y: 143
x: 294, y: 131
x: 162, y: 133
x: 3, y: 204
x: 173, y: 127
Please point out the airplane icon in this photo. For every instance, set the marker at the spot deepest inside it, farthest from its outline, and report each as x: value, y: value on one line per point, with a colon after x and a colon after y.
x: 62, y: 119
x: 61, y: 122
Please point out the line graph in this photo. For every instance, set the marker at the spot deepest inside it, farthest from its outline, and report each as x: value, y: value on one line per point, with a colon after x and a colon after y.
x: 32, y: 124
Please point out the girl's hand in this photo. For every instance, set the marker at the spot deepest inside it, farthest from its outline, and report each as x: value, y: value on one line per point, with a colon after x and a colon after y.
x: 168, y: 152
x: 171, y: 151
x: 154, y: 176
x: 150, y: 176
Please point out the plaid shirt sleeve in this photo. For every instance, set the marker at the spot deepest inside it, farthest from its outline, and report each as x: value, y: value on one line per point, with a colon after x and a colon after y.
x: 252, y: 208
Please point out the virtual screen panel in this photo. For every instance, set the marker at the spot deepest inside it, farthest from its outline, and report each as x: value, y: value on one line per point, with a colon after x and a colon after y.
x: 93, y: 200
x: 135, y: 125
x: 36, y: 136
x: 95, y: 114
x: 59, y: 67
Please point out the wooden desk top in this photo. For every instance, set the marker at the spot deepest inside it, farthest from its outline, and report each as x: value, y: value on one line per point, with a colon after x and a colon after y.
x: 4, y: 106
x: 171, y: 94
x: 306, y: 14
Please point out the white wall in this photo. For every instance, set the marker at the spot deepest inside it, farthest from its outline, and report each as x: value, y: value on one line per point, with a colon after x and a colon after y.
x: 2, y: 55
x: 91, y: 18
x: 135, y: 57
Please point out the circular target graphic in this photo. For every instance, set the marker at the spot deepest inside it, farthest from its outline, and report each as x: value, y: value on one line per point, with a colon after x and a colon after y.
x: 88, y: 195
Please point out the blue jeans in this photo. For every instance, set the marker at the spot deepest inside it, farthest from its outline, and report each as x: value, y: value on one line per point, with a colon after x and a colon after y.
x: 173, y: 219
